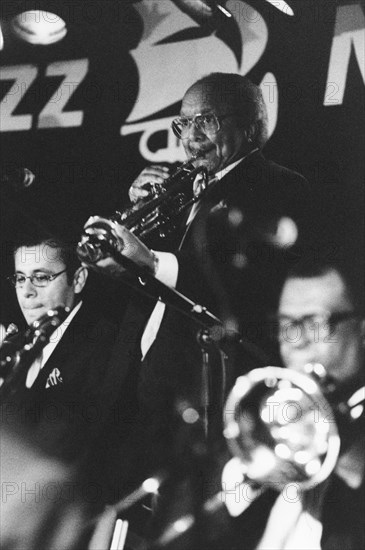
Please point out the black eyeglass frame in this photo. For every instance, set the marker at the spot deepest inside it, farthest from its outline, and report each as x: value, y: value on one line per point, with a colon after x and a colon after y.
x: 48, y: 278
x: 330, y: 320
x: 192, y: 120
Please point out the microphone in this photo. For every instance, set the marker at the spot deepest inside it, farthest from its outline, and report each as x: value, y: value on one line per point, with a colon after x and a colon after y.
x: 17, y: 179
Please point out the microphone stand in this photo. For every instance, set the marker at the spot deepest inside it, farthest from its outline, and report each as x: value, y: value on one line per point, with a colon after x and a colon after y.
x: 205, y: 342
x: 212, y: 331
x: 146, y: 283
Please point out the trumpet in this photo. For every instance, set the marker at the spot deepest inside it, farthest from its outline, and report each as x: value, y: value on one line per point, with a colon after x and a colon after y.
x: 282, y: 426
x: 149, y: 219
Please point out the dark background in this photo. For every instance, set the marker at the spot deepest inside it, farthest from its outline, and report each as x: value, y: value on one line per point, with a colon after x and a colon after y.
x: 88, y: 169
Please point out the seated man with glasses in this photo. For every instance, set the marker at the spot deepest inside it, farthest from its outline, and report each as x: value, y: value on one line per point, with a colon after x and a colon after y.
x: 82, y: 379
x: 47, y: 276
x: 321, y: 320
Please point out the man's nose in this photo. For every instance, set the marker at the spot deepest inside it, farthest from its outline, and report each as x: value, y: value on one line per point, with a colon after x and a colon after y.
x: 301, y: 342
x: 296, y: 338
x: 195, y: 133
x: 28, y: 289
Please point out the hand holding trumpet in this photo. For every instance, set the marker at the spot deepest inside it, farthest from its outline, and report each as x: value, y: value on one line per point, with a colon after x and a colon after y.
x: 150, y: 176
x: 104, y: 239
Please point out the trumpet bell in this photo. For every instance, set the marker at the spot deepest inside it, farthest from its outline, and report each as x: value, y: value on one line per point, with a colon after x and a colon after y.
x: 98, y: 240
x: 281, y: 428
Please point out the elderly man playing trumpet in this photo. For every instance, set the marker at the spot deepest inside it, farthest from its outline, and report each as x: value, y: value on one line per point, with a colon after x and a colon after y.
x: 223, y: 128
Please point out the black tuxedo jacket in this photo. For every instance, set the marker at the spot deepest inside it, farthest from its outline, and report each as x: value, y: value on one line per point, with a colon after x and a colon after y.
x: 263, y: 192
x: 341, y: 517
x: 233, y: 270
x: 85, y: 419
x: 172, y: 370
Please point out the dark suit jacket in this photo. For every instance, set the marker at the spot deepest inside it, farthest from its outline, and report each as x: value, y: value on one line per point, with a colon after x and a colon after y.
x: 341, y: 517
x: 86, y: 419
x: 263, y: 191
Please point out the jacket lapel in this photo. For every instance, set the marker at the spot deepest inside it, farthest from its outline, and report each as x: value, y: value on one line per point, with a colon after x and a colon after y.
x: 240, y: 183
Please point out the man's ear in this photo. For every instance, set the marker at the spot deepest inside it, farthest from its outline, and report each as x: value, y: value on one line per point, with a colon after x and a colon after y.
x: 250, y: 133
x: 80, y: 279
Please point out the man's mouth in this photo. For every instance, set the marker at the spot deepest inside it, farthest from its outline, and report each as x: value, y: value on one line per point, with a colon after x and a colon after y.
x: 199, y: 153
x: 32, y: 311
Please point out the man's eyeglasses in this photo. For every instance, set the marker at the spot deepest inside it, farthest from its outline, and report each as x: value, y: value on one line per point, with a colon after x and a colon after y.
x: 208, y: 123
x: 313, y: 325
x: 37, y: 279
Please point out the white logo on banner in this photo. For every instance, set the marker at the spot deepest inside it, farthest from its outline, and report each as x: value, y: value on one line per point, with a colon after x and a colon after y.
x: 349, y: 36
x: 168, y: 67
x: 52, y: 115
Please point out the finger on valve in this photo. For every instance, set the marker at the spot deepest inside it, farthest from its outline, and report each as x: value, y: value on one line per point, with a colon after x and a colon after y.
x: 150, y: 176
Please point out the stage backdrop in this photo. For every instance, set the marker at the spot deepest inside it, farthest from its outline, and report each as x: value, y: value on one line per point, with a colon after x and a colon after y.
x: 86, y: 113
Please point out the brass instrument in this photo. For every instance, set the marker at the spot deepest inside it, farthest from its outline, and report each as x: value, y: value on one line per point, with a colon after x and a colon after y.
x: 281, y: 431
x: 149, y: 219
x: 282, y: 428
x: 17, y: 356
